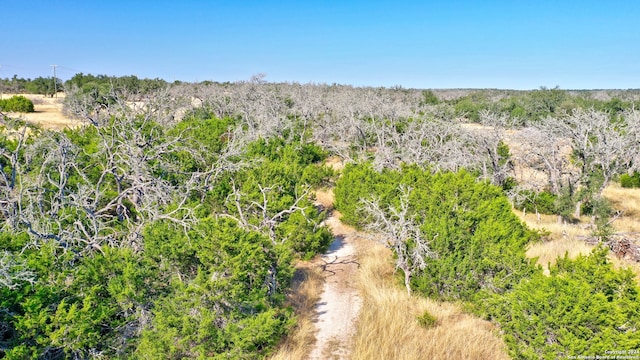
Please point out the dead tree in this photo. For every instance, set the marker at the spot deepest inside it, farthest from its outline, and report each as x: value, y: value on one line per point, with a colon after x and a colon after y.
x: 545, y: 152
x: 118, y: 188
x: 400, y: 233
x: 13, y: 272
x: 632, y: 120
x: 259, y: 215
x: 11, y: 169
x: 599, y: 145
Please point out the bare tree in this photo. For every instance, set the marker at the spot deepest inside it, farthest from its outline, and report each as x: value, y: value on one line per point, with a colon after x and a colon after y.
x: 13, y: 272
x: 130, y: 179
x: 400, y: 233
x: 600, y: 145
x: 632, y: 119
x: 497, y: 165
x: 10, y: 179
x: 545, y: 152
x: 259, y: 215
x: 599, y: 142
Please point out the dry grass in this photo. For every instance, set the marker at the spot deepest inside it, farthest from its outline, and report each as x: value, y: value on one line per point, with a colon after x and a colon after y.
x: 305, y: 293
x: 627, y: 201
x: 548, y: 252
x: 324, y: 198
x: 335, y: 162
x: 48, y: 112
x: 562, y: 239
x: 333, y: 349
x: 568, y: 238
x: 626, y: 264
x: 388, y: 326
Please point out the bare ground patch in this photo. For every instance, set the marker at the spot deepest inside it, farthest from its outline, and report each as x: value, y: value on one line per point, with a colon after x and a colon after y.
x: 340, y: 302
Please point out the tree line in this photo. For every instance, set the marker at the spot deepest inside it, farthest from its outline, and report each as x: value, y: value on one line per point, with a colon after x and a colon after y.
x: 101, y: 84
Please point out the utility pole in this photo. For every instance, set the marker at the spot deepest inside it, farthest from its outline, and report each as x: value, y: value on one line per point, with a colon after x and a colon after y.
x: 55, y: 82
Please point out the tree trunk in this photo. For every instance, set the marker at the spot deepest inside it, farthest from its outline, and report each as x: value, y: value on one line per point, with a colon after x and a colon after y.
x: 407, y: 280
x: 578, y: 209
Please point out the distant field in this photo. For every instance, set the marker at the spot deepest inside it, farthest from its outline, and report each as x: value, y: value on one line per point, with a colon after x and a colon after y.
x: 48, y: 112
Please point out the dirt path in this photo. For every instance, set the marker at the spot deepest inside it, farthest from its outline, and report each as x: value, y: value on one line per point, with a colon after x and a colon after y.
x: 340, y: 301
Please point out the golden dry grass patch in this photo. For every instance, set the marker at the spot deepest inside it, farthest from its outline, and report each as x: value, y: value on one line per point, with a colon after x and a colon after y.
x: 388, y: 327
x: 548, y: 252
x: 324, y: 198
x: 304, y: 294
x: 48, y: 112
x: 335, y: 162
x: 628, y: 202
x: 562, y: 239
x: 569, y: 239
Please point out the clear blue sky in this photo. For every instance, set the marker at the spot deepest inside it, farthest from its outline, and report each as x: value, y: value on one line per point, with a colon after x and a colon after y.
x: 415, y: 44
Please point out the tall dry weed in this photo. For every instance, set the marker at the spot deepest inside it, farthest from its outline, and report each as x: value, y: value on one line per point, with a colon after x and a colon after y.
x: 568, y: 239
x: 388, y: 327
x: 305, y: 292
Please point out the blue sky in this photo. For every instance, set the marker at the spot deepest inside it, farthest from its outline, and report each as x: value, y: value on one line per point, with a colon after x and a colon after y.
x: 415, y: 44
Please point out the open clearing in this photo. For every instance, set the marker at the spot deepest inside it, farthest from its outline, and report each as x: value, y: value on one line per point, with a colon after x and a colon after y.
x: 48, y: 112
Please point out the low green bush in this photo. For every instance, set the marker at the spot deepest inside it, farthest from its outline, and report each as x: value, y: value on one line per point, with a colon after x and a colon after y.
x: 630, y: 181
x: 17, y: 103
x: 543, y: 202
x: 584, y: 308
x: 427, y: 320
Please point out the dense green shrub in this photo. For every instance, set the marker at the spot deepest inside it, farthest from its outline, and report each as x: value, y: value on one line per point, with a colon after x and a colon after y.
x: 470, y: 107
x: 478, y: 241
x: 284, y: 172
x: 514, y: 107
x: 630, y: 181
x: 429, y: 98
x: 542, y: 202
x: 17, y: 103
x: 584, y: 308
x: 225, y: 299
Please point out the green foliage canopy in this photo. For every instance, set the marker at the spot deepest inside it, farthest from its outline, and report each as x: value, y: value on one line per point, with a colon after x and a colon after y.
x: 17, y: 103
